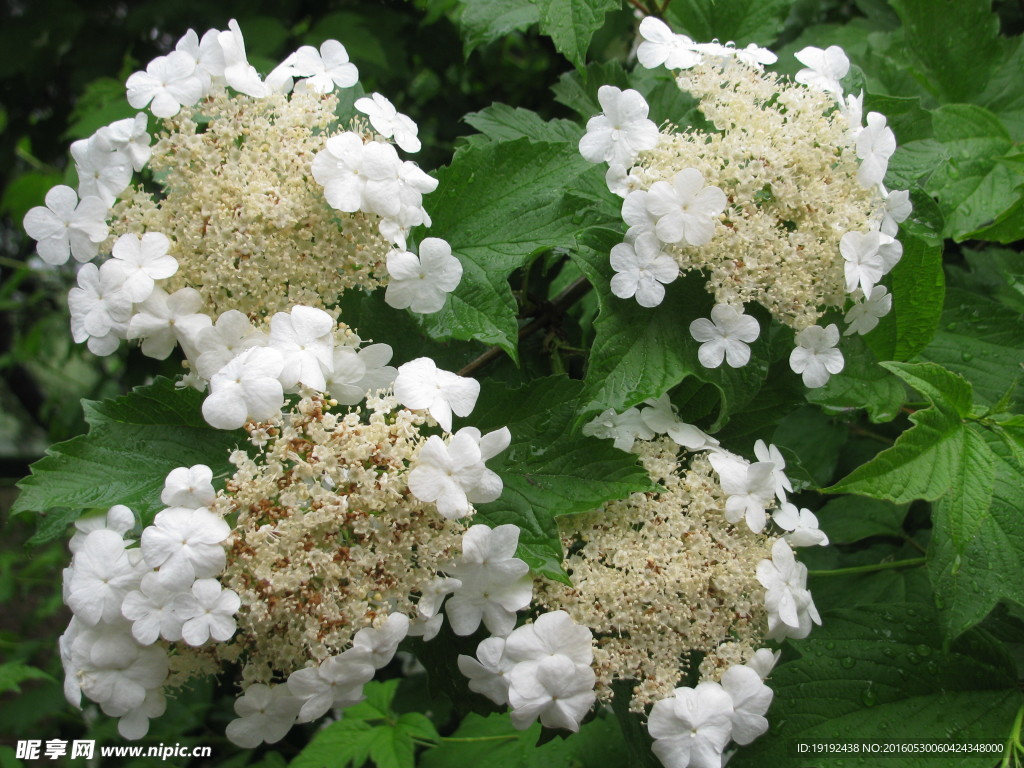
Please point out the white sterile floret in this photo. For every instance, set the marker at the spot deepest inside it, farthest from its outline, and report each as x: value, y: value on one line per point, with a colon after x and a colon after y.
x: 67, y: 226
x: 622, y: 131
x: 422, y: 283
x: 555, y: 690
x: 866, y: 261
x: 640, y: 269
x: 495, y: 583
x: 421, y: 385
x: 114, y: 670
x: 767, y: 452
x: 824, y: 68
x: 691, y: 728
x: 246, y: 388
x: 265, y: 714
x: 119, y: 519
x: 170, y: 82
x: 209, y: 56
x: 164, y: 320
x: 801, y: 526
x: 750, y: 700
x: 208, y: 611
x: 875, y: 145
x: 383, y: 169
x: 755, y: 56
x: 763, y: 661
x: 863, y: 316
x: 135, y: 724
x: 388, y: 121
x: 452, y: 475
x: 816, y: 357
x: 101, y: 173
x: 323, y: 70
x: 791, y: 610
x: 897, y: 208
x: 220, y: 343
x: 336, y: 683
x: 358, y: 372
x: 725, y: 336
x: 189, y: 487
x: 150, y: 608
x: 185, y: 544
x: 621, y: 183
x: 100, y: 309
x: 143, y: 260
x: 488, y: 672
x: 238, y: 73
x: 305, y: 339
x: 551, y: 634
x: 750, y: 488
x: 382, y: 642
x: 624, y: 428
x: 636, y: 214
x: 127, y: 138
x: 685, y: 208
x: 663, y: 47
x: 102, y: 573
x: 661, y: 418
x: 338, y: 168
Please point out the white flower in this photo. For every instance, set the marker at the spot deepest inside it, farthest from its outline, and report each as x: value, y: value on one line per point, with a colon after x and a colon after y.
x: 661, y: 418
x: 207, y: 612
x: 338, y: 168
x: 662, y: 46
x: 164, y: 320
x: 865, y: 261
x: 358, y: 372
x: 305, y: 339
x: 555, y: 689
x: 102, y: 574
x: 323, y: 70
x: 114, y: 670
x: 135, y: 724
x: 100, y: 309
x: 725, y: 336
x: 150, y: 609
x: 763, y: 661
x: 750, y: 488
x: 66, y: 226
x: 238, y: 73
x: 686, y: 209
x: 852, y: 108
x: 875, y: 145
x: 816, y: 357
x: 452, y: 475
x: 621, y: 131
x: 897, y: 209
x: 101, y: 173
x: 421, y: 385
x: 488, y: 672
x: 170, y: 82
x: 622, y: 183
x: 790, y: 608
x: 185, y: 544
x: 824, y: 68
x: 864, y: 315
x: 382, y: 169
x: 128, y: 138
x: 382, y: 642
x: 691, y: 728
x: 388, y: 121
x: 118, y: 519
x: 220, y: 343
x: 553, y: 633
x: 750, y: 700
x: 623, y: 428
x: 336, y: 683
x: 770, y: 453
x: 640, y: 269
x: 802, y: 526
x: 209, y: 56
x: 246, y: 388
x: 265, y: 714
x: 143, y: 261
x: 422, y: 283
x: 755, y: 56
x: 636, y: 214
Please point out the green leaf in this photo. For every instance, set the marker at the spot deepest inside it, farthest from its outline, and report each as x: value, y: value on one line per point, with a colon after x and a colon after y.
x: 882, y: 672
x: 12, y: 674
x: 863, y: 383
x: 484, y: 21
x: 642, y: 352
x: 744, y: 21
x: 500, y: 122
x: 937, y: 455
x: 976, y: 555
x: 549, y: 469
x: 578, y: 90
x: 493, y: 742
x: 132, y: 443
x: 853, y: 518
x: 498, y: 205
x: 571, y: 23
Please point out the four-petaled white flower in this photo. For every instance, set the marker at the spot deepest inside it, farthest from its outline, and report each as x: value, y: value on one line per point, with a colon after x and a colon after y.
x: 67, y: 226
x: 100, y: 309
x: 337, y: 682
x: 246, y: 388
x: 151, y: 610
x: 218, y: 344
x: 209, y: 56
x: 555, y: 690
x: 691, y: 728
x: 640, y: 269
x: 102, y: 574
x: 766, y: 452
x: 185, y: 544
x: 686, y: 209
x: 790, y: 608
x: 170, y: 82
x: 875, y: 145
x: 750, y: 488
x: 265, y: 714
x: 897, y: 208
x: 663, y: 47
x: 816, y: 356
x: 622, y: 131
x: 661, y: 418
x: 624, y: 428
x: 388, y: 121
x: 128, y: 138
x: 238, y: 72
x: 824, y: 68
x: 189, y: 487
x: 357, y: 372
x: 864, y: 265
x: 305, y: 340
x: 755, y: 56
x: 725, y: 336
x: 863, y: 316
x: 114, y: 670
x: 338, y: 168
x: 164, y: 320
x: 801, y: 526
x: 323, y: 70
x: 143, y: 260
x: 119, y: 519
x: 382, y: 642
x: 208, y: 611
x: 488, y: 672
x: 452, y: 475
x: 552, y: 633
x: 422, y: 283
x: 101, y: 173
x: 621, y: 183
x: 750, y: 700
x: 422, y: 386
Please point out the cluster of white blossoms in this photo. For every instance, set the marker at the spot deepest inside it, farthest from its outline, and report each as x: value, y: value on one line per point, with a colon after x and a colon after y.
x: 782, y: 204
x: 268, y: 205
x: 343, y: 535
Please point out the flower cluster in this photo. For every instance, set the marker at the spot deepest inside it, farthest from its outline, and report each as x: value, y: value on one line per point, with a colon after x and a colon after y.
x: 258, y: 202
x: 781, y: 204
